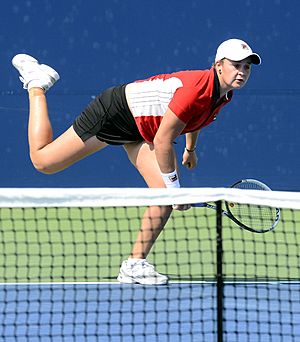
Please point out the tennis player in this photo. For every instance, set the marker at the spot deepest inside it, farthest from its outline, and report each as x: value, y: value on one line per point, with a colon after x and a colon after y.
x: 144, y: 116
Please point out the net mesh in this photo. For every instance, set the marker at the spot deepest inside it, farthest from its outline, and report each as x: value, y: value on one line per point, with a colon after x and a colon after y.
x: 61, y: 250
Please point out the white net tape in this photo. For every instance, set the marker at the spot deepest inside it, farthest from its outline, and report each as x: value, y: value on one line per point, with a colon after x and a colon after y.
x: 105, y: 197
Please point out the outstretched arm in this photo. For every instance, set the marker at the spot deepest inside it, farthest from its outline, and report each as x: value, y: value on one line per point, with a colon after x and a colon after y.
x: 169, y: 129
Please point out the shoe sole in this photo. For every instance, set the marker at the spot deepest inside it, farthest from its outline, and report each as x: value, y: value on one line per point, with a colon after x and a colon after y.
x: 19, y: 59
x: 50, y: 72
x: 129, y: 280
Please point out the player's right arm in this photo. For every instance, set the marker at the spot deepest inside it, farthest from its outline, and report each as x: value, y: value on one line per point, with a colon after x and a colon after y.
x: 170, y: 128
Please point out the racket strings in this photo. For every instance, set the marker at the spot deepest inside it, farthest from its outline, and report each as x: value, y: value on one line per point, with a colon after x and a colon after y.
x: 258, y: 217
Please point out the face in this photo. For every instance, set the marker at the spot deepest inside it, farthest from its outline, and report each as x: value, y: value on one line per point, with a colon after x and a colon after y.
x: 233, y: 75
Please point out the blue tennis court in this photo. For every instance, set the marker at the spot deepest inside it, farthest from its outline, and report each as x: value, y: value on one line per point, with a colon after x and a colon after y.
x: 177, y: 312
x: 59, y: 264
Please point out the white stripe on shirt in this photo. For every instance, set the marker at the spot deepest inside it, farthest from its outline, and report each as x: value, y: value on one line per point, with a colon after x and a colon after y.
x: 151, y: 97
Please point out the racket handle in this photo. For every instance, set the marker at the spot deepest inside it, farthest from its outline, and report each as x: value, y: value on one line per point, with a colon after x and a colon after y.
x: 199, y: 205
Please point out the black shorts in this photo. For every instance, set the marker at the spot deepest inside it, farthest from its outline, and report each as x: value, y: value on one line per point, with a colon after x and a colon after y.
x: 109, y: 118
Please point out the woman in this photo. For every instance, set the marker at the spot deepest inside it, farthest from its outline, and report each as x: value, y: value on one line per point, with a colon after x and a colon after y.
x: 145, y: 117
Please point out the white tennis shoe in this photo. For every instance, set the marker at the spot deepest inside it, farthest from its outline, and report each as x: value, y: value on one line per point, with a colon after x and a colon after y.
x: 140, y: 272
x: 34, y: 74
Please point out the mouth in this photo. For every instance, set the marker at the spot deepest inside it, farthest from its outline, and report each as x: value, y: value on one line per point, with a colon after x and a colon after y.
x: 238, y: 83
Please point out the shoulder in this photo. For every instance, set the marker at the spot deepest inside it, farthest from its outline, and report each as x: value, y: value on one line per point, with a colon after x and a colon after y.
x: 184, y: 75
x: 191, y: 77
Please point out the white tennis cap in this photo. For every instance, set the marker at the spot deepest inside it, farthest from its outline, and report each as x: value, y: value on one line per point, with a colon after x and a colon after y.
x: 236, y: 50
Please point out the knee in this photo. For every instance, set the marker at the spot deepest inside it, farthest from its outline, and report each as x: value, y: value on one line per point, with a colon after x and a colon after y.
x: 164, y: 212
x: 43, y: 169
x: 42, y: 165
x: 167, y: 210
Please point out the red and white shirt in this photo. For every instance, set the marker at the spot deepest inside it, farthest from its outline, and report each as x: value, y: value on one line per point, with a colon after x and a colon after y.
x: 189, y: 94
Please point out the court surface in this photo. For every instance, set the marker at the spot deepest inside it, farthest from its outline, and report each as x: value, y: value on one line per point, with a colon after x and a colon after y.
x: 180, y: 311
x: 59, y: 266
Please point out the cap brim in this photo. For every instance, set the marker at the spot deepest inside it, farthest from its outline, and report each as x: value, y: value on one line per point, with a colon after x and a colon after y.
x: 255, y: 59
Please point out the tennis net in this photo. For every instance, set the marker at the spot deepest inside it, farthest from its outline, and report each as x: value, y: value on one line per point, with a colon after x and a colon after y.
x: 61, y: 250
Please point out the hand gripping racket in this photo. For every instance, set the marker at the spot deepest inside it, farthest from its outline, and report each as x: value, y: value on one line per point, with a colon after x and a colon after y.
x: 254, y: 218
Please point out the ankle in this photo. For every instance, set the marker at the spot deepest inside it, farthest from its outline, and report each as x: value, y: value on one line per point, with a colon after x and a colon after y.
x: 35, y: 91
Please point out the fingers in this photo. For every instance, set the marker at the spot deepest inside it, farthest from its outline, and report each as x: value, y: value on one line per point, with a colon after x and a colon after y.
x: 181, y: 207
x: 189, y: 160
x: 189, y: 164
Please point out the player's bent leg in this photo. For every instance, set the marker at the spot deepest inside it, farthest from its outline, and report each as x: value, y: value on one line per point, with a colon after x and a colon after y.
x: 48, y: 156
x: 64, y: 151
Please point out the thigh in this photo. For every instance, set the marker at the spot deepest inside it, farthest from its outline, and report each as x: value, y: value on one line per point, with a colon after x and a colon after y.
x: 69, y: 148
x: 142, y: 156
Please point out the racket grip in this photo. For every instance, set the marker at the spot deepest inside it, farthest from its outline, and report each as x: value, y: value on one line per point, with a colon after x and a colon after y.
x: 199, y: 205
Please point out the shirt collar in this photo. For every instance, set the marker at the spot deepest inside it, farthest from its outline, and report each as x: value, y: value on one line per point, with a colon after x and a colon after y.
x: 216, y: 90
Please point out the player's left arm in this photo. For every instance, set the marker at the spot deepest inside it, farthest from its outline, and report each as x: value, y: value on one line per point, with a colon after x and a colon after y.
x: 189, y: 158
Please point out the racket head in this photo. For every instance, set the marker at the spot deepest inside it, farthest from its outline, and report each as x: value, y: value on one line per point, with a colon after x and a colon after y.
x: 254, y: 218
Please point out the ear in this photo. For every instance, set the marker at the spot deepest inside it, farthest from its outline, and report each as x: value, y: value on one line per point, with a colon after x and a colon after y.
x: 218, y: 66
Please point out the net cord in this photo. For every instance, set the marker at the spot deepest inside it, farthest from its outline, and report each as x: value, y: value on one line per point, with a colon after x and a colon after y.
x: 118, y: 197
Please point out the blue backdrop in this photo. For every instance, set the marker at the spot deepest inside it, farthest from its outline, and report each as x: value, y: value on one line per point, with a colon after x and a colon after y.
x: 97, y: 44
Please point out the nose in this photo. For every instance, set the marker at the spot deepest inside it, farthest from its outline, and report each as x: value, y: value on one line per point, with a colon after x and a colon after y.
x: 245, y: 69
x: 241, y: 70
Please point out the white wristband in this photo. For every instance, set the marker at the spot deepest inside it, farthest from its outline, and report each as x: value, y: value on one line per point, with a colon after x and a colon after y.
x: 171, y: 179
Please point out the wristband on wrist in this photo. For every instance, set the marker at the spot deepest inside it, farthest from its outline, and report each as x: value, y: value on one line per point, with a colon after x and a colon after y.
x: 191, y: 150
x: 171, y: 179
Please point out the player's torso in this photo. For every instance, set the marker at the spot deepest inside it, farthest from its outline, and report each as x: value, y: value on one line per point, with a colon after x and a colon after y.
x: 187, y: 93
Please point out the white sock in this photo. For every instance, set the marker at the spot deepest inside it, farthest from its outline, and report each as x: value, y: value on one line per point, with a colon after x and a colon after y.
x: 34, y: 84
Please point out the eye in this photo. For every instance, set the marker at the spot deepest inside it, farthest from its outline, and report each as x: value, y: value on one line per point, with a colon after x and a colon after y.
x: 247, y: 67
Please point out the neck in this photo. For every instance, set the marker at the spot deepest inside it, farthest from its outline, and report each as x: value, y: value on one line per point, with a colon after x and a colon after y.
x: 224, y: 88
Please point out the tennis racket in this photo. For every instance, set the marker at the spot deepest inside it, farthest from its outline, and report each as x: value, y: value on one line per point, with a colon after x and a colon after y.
x: 254, y: 218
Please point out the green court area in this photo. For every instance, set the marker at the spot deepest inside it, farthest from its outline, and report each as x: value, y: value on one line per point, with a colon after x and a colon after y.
x: 88, y: 245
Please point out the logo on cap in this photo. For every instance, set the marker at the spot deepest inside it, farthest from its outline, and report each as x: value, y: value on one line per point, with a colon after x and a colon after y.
x: 245, y: 46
